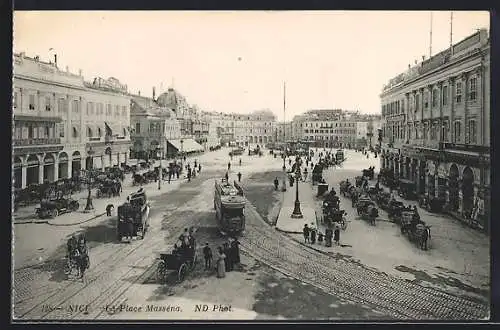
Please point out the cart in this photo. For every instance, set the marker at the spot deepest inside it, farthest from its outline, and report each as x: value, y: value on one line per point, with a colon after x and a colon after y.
x: 182, y: 260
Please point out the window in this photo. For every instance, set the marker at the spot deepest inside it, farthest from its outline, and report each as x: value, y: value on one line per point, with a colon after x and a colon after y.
x: 117, y: 111
x: 89, y: 132
x: 472, y: 131
x: 61, y: 130
x: 48, y: 104
x: 124, y: 111
x: 472, y: 88
x: 434, y: 98
x: 75, y: 106
x: 138, y: 128
x: 75, y: 132
x: 417, y: 102
x: 108, y: 110
x: 433, y: 132
x: 32, y: 102
x: 124, y: 132
x: 14, y: 101
x: 444, y: 130
x: 410, y: 132
x: 99, y: 132
x: 88, y: 108
x: 61, y: 105
x: 30, y: 132
x: 459, y: 92
x: 47, y: 131
x: 457, y: 133
x: 445, y: 95
x: 426, y: 99
x: 402, y: 106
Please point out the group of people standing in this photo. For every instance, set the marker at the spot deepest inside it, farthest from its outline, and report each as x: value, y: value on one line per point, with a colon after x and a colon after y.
x: 227, y: 258
x: 311, y: 234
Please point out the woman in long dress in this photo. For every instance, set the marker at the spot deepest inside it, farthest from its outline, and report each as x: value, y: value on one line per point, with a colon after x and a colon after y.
x: 221, y: 264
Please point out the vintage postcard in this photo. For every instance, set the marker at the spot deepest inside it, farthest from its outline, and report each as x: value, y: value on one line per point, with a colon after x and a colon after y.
x: 295, y: 165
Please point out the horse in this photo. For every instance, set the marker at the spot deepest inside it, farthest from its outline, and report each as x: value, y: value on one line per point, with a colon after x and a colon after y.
x: 423, y: 238
x: 344, y: 188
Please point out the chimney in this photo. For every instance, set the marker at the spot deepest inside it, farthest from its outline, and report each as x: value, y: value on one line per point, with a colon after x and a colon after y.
x: 139, y: 93
x: 409, y: 66
x: 67, y: 68
x: 80, y: 72
x: 55, y: 60
x: 154, y: 93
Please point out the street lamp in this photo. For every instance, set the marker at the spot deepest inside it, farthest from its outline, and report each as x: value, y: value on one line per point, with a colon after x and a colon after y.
x: 89, y: 206
x: 297, y: 213
x: 182, y: 154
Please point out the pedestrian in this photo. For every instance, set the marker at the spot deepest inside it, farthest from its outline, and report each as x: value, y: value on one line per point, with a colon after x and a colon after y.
x: 313, y: 234
x: 312, y: 165
x: 305, y: 174
x: 207, y: 253
x: 227, y: 177
x: 276, y: 182
x: 228, y: 259
x: 328, y: 237
x: 221, y: 263
x: 228, y: 166
x: 236, y: 251
x: 289, y: 161
x: 240, y: 161
x: 320, y: 237
x: 306, y: 232
x: 109, y: 209
x: 336, y: 234
x: 307, y: 161
x: 199, y: 168
x: 239, y: 176
x: 189, y: 175
x: 177, y: 173
x: 169, y: 175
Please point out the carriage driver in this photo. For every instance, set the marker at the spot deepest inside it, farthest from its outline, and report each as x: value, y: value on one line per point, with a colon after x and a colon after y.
x: 72, y: 245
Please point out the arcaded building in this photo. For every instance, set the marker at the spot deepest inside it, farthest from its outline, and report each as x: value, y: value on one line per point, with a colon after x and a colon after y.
x: 63, y: 124
x: 436, y: 126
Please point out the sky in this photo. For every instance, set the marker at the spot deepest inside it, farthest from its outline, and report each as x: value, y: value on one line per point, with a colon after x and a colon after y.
x: 238, y: 61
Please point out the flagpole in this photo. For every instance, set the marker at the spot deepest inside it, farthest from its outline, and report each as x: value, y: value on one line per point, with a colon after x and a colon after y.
x: 430, y: 39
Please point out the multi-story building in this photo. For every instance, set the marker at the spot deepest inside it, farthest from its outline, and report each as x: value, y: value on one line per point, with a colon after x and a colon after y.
x: 436, y: 128
x: 245, y: 129
x: 152, y: 128
x: 63, y: 124
x: 332, y: 128
x: 283, y: 131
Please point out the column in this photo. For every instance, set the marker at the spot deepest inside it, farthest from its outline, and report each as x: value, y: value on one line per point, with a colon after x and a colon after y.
x: 56, y: 168
x: 452, y: 110
x: 102, y: 162
x: 465, y: 93
x: 436, y: 182
x: 417, y: 178
x: 426, y: 188
x: 23, y: 175
x: 70, y: 168
x: 40, y: 173
x: 118, y: 158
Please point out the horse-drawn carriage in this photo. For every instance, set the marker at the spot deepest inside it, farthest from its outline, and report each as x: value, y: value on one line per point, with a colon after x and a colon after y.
x: 395, y: 209
x: 236, y: 152
x: 255, y: 151
x: 407, y: 189
x: 382, y: 199
x: 431, y: 203
x: 334, y: 216
x: 416, y: 229
x: 367, y: 209
x: 133, y: 216
x: 52, y: 208
x: 109, y: 188
x: 181, y: 260
x: 369, y: 172
x: 317, y: 174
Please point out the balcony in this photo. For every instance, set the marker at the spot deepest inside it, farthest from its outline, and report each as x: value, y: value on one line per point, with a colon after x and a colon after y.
x: 35, y: 142
x: 425, y: 143
x: 95, y: 139
x: 464, y: 147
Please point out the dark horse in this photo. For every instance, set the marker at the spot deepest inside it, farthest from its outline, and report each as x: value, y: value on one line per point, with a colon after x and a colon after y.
x: 80, y: 262
x: 423, y: 238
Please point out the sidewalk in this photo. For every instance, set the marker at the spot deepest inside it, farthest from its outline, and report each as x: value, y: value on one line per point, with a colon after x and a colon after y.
x: 308, y: 206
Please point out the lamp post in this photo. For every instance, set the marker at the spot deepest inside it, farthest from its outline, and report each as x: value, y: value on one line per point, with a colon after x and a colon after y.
x: 297, y: 213
x: 182, y: 154
x: 284, y: 137
x: 160, y: 175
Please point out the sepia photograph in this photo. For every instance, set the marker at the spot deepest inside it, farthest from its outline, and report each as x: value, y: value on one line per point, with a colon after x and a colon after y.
x: 251, y: 165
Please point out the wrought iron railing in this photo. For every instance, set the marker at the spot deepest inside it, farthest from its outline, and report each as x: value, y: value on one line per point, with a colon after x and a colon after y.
x: 31, y: 142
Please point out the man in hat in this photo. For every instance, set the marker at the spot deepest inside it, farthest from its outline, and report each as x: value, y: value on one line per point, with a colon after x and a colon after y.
x: 207, y: 253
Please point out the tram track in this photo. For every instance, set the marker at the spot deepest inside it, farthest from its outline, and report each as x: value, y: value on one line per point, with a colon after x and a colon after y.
x: 397, y: 297
x: 98, y: 296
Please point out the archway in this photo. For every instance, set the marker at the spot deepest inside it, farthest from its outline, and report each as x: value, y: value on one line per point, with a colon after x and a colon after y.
x: 421, y: 178
x: 407, y: 168
x: 413, y: 170
x: 48, y: 168
x: 108, y: 161
x: 431, y: 179
x: 32, y: 171
x: 136, y: 149
x: 467, y: 191
x: 453, y: 187
x: 76, y: 163
x: 153, y: 149
x: 18, y: 173
x: 89, y: 163
x: 63, y: 165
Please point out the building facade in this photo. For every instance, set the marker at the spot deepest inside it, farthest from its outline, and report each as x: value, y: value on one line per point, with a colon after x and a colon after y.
x: 333, y: 128
x: 63, y: 124
x: 436, y: 126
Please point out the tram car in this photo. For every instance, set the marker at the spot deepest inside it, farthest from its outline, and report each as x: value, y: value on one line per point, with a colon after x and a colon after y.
x: 133, y: 216
x: 229, y: 205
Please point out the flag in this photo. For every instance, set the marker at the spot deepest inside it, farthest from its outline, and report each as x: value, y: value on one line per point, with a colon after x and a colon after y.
x: 109, y: 131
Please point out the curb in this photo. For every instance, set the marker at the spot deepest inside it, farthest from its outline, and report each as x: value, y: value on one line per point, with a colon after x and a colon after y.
x: 287, y: 232
x: 30, y: 221
x: 77, y: 223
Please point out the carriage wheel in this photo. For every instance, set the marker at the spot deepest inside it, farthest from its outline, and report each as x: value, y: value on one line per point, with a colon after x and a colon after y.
x: 75, y: 206
x: 181, y: 275
x: 161, y: 271
x: 54, y: 213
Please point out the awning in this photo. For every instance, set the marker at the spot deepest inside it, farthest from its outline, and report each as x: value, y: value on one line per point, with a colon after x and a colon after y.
x: 188, y: 145
x: 38, y: 119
